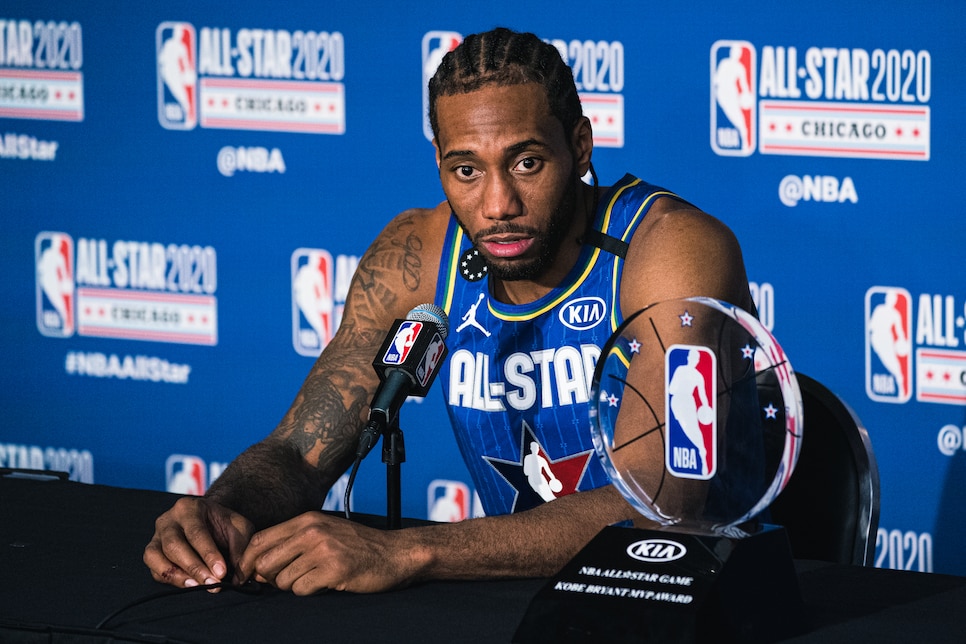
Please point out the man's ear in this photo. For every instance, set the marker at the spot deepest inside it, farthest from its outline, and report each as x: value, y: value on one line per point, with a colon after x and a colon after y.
x: 583, y: 145
x: 438, y: 157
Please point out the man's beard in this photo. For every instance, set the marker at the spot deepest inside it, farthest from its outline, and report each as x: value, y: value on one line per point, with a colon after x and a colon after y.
x: 548, y: 242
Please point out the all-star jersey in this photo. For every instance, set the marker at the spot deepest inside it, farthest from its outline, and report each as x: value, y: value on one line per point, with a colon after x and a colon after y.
x: 518, y: 377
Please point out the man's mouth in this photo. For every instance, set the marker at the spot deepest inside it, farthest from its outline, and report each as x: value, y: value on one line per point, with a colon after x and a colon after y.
x: 506, y: 246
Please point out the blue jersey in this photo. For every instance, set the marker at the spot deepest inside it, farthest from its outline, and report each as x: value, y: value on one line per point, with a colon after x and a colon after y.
x: 517, y: 379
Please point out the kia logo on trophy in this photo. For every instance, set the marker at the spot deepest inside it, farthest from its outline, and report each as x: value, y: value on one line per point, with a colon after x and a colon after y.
x: 656, y: 550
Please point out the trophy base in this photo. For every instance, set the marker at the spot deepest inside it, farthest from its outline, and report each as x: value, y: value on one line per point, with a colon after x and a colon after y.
x: 633, y: 585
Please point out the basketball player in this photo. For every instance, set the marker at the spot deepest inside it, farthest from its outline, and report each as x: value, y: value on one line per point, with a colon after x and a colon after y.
x: 511, y: 147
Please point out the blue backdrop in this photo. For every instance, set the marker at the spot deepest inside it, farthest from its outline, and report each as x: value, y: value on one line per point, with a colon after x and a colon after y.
x: 186, y: 187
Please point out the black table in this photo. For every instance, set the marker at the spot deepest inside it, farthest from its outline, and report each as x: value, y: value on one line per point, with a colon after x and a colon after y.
x: 70, y: 556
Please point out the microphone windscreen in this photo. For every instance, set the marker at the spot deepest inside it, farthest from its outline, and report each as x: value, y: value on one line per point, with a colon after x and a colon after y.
x: 433, y: 314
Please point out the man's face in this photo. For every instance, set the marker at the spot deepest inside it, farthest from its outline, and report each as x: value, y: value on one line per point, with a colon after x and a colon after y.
x: 509, y: 175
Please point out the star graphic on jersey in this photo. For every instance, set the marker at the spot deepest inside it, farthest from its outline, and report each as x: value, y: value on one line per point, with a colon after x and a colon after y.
x: 634, y: 346
x: 473, y: 266
x: 686, y: 319
x: 747, y: 352
x: 569, y: 471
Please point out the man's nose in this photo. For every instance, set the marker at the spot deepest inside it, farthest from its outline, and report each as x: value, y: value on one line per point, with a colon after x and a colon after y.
x: 501, y: 200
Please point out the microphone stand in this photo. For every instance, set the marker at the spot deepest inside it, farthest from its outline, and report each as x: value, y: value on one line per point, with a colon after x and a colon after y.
x: 393, y: 455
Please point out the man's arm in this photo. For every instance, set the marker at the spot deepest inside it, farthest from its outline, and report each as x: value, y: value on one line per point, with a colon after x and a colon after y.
x: 677, y: 252
x: 290, y: 471
x: 316, y: 552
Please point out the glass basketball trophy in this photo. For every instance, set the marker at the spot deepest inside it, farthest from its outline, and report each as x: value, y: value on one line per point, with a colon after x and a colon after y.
x: 697, y: 418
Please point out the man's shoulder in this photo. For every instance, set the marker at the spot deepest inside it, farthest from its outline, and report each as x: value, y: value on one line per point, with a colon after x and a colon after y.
x: 436, y: 217
x: 420, y: 230
x: 398, y: 270
x: 671, y: 216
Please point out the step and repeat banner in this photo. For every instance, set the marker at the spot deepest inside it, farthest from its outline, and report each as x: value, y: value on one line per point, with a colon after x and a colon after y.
x: 186, y: 189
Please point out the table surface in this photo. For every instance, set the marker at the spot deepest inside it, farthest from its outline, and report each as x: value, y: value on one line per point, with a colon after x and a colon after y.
x: 70, y: 557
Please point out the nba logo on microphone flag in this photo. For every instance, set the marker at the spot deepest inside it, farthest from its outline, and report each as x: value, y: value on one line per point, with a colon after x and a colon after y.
x: 402, y: 343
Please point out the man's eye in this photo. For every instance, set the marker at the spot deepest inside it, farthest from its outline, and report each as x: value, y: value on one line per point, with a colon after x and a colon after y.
x: 465, y: 171
x: 529, y: 163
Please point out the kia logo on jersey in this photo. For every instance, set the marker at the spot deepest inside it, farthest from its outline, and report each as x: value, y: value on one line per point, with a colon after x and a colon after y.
x: 583, y: 313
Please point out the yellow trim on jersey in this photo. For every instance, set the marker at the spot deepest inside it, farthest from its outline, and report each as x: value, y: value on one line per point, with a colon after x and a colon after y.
x: 452, y: 269
x: 453, y: 261
x: 529, y: 315
x: 622, y: 355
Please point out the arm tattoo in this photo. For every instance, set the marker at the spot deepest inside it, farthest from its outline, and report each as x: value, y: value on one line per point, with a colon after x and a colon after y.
x: 411, y: 262
x: 290, y: 471
x: 330, y: 408
x: 398, y: 252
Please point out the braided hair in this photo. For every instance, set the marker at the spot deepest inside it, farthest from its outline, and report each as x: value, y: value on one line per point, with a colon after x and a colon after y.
x: 503, y: 57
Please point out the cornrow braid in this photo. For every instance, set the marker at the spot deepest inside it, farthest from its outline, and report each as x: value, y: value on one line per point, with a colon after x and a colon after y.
x: 503, y: 57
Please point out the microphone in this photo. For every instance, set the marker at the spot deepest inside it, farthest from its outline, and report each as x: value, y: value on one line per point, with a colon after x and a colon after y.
x: 407, y: 364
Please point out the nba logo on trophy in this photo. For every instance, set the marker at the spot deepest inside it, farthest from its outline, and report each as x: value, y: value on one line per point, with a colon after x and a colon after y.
x: 691, y: 412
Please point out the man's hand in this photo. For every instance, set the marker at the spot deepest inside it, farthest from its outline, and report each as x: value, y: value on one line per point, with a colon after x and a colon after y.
x: 315, y: 552
x: 192, y: 540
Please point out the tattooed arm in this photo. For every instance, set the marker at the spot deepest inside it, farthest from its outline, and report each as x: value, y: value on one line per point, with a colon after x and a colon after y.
x: 290, y: 471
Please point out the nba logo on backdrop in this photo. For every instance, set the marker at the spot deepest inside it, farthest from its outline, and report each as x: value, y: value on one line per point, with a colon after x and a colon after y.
x: 313, y: 302
x: 888, y: 344
x: 185, y: 475
x: 733, y: 98
x: 56, y: 306
x: 691, y: 411
x: 177, y: 79
x: 449, y: 501
x: 436, y: 44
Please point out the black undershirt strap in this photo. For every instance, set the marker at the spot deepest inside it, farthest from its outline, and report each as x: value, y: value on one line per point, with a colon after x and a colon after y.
x: 605, y: 242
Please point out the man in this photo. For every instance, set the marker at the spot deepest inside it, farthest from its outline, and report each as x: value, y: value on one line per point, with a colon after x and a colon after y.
x: 511, y: 145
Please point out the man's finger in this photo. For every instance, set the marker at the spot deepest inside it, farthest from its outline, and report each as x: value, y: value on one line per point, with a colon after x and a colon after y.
x: 162, y: 569
x: 188, y: 545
